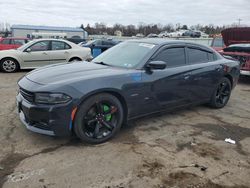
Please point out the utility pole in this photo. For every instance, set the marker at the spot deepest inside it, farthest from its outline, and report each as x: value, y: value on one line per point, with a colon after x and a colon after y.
x: 239, y: 20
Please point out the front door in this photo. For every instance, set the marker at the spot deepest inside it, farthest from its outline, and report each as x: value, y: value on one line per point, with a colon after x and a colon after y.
x: 36, y: 55
x: 169, y: 87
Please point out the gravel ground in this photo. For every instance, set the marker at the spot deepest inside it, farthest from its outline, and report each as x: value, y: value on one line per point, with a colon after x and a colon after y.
x: 185, y: 148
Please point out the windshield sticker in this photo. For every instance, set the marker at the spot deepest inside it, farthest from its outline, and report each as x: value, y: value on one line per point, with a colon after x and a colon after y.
x: 147, y: 45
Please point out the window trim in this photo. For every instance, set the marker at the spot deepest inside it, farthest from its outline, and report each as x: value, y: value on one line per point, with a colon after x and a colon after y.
x: 165, y: 47
x: 49, y: 48
x: 60, y: 49
x: 200, y: 49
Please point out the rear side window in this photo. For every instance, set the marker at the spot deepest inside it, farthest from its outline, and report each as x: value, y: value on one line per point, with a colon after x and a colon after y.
x: 199, y: 56
x: 18, y: 41
x: 5, y: 41
x: 172, y: 56
x: 58, y: 45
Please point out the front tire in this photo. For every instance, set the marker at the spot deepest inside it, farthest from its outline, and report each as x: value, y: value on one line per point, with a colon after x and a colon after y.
x: 74, y: 59
x: 9, y: 65
x: 99, y: 118
x: 221, y: 94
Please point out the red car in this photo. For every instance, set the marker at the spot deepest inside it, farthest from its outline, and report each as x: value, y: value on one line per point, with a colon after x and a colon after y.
x: 237, y: 41
x: 12, y: 43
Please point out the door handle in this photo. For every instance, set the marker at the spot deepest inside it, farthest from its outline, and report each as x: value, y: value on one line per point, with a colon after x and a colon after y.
x: 45, y: 53
x: 66, y: 52
x: 187, y: 76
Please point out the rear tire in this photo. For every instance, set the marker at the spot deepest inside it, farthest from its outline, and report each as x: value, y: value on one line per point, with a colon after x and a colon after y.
x: 9, y: 65
x: 221, y: 94
x: 99, y: 118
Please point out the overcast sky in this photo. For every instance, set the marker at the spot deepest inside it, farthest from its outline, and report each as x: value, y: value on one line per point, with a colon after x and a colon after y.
x: 76, y: 12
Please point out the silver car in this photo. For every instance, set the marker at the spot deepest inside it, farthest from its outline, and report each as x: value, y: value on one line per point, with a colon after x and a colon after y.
x: 42, y: 52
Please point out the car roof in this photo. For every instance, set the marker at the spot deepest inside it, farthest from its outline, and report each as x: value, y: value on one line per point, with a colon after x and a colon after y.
x: 160, y: 41
x: 50, y: 39
x: 13, y: 38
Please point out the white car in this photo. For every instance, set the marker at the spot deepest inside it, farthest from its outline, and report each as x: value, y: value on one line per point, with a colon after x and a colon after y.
x: 42, y: 52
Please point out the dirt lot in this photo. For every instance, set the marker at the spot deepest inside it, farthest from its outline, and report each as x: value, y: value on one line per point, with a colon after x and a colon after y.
x: 158, y: 151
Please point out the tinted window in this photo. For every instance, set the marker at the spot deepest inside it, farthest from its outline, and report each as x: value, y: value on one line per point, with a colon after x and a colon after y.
x: 40, y: 46
x: 107, y: 43
x: 172, y: 56
x: 6, y: 41
x: 198, y: 56
x: 97, y: 42
x: 57, y: 45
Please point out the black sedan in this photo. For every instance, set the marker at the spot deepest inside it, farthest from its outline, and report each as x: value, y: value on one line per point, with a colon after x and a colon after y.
x: 98, y: 46
x: 132, y: 79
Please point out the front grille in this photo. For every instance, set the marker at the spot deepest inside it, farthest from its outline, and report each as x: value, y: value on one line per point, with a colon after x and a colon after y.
x: 27, y: 95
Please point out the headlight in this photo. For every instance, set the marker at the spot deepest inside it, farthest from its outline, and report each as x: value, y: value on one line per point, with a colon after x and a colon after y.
x: 51, y: 98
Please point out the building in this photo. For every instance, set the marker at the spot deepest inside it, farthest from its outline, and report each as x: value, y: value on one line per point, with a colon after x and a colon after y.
x: 32, y: 31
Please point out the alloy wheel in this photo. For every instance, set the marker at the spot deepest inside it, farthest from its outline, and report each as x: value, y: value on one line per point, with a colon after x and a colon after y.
x: 9, y: 66
x: 223, y: 93
x: 100, y: 120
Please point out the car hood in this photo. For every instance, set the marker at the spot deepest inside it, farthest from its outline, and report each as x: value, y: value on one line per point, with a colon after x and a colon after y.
x: 8, y: 52
x: 70, y: 72
x: 236, y: 35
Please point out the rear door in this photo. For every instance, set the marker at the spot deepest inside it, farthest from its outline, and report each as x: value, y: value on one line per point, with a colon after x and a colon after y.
x: 37, y: 56
x: 60, y: 52
x: 206, y: 72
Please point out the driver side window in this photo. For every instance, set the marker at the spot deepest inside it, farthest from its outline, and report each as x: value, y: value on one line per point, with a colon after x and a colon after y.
x: 40, y: 46
x: 174, y: 57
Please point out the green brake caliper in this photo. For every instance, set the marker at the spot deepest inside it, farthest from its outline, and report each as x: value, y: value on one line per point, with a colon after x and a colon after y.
x: 106, y: 109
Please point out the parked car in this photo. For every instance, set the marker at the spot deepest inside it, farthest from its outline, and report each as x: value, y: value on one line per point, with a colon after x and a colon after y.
x: 241, y: 52
x: 163, y: 34
x: 12, y: 43
x: 130, y: 80
x: 42, y: 52
x: 237, y: 41
x: 177, y: 34
x: 191, y: 33
x: 152, y: 35
x: 99, y: 45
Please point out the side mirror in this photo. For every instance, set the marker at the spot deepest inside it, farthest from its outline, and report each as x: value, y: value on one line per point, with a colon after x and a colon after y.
x: 157, y: 65
x: 28, y: 50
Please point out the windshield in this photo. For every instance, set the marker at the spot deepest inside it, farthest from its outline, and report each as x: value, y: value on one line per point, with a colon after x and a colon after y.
x: 23, y: 47
x: 218, y: 42
x: 90, y: 42
x: 125, y: 54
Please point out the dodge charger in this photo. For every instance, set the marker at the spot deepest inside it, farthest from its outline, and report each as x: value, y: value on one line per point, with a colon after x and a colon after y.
x: 133, y: 79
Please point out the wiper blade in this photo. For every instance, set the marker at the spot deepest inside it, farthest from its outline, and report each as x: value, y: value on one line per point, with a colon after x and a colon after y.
x: 102, y: 63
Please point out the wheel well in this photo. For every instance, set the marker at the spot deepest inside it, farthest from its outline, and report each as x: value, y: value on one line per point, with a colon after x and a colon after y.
x: 230, y: 78
x: 118, y: 96
x: 75, y: 58
x: 123, y: 102
x: 12, y: 59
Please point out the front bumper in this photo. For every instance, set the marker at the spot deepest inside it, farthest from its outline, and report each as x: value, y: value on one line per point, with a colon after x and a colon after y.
x: 52, y: 120
x: 245, y: 72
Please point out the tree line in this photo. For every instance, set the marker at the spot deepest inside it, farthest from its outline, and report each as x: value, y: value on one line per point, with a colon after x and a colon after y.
x: 146, y: 29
